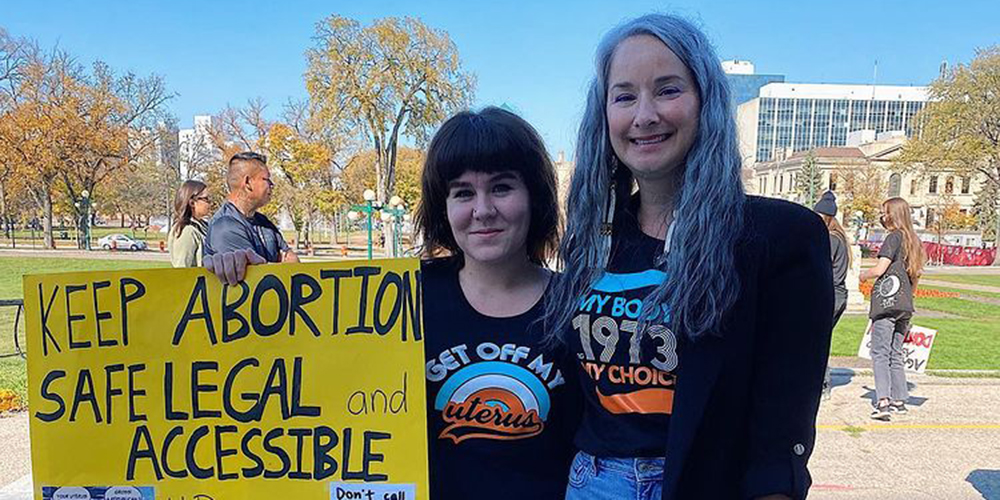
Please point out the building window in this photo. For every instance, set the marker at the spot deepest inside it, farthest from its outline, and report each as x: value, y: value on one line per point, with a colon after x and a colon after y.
x: 894, y: 181
x: 965, y: 185
x: 949, y: 185
x: 781, y: 183
x: 930, y: 217
x: 833, y: 181
x: 932, y: 187
x: 913, y: 187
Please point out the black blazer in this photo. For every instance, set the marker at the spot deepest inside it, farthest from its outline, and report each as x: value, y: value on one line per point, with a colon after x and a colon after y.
x: 745, y: 408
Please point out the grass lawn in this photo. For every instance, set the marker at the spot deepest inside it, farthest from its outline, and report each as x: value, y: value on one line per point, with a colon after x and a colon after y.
x: 969, y: 279
x: 969, y: 342
x: 960, y: 344
x: 13, y: 268
x: 960, y: 307
x: 13, y: 374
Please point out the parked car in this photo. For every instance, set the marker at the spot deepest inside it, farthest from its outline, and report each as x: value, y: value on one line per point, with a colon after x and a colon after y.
x: 121, y: 242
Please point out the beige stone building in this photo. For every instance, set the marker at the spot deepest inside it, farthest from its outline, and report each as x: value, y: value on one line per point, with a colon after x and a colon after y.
x: 928, y: 194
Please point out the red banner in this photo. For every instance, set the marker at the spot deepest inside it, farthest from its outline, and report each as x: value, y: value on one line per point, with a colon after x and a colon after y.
x: 953, y: 255
x: 949, y: 255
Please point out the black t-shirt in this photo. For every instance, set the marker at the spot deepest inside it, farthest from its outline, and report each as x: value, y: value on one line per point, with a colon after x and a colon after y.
x: 892, y: 293
x: 501, y: 409
x: 627, y: 382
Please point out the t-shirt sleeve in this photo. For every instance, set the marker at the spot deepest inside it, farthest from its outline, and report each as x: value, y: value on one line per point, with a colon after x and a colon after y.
x: 226, y: 234
x: 890, y: 247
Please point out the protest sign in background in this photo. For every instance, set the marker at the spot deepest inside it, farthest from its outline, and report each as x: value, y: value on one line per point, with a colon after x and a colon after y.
x: 304, y: 382
x: 916, y: 347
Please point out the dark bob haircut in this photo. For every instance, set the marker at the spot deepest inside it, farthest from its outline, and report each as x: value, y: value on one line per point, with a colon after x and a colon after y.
x: 490, y: 141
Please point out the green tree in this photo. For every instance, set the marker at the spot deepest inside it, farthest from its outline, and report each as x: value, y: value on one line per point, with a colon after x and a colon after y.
x: 391, y: 78
x: 986, y: 210
x: 809, y: 181
x: 960, y: 126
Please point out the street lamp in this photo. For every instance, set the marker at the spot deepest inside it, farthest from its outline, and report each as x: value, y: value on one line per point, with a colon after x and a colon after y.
x: 86, y: 218
x: 392, y: 212
x: 395, y: 213
x: 369, y: 209
x: 79, y: 226
x: 859, y: 221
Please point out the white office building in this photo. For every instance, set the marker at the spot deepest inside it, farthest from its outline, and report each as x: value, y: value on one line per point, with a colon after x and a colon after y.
x: 787, y: 118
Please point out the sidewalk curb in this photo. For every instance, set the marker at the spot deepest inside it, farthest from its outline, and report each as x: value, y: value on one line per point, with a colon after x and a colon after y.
x: 960, y: 377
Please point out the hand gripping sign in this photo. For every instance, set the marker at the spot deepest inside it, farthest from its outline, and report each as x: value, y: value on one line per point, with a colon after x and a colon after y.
x: 916, y: 347
x: 303, y: 382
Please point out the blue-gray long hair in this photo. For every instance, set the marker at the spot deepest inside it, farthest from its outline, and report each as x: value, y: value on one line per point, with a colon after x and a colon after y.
x: 703, y: 282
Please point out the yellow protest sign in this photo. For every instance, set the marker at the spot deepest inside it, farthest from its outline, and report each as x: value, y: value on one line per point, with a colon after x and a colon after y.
x: 305, y: 381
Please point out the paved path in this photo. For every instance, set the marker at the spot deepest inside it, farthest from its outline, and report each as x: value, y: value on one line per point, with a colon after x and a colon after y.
x: 946, y: 448
x: 961, y: 270
x: 960, y: 286
x: 15, y: 452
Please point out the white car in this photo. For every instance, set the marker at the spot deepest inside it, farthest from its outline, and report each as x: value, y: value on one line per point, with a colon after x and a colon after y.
x: 121, y: 242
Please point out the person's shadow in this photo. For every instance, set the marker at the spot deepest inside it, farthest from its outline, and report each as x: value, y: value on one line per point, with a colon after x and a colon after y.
x: 986, y: 482
x: 840, y: 377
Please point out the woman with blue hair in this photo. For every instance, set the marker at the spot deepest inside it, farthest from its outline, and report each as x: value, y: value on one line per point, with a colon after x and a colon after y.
x: 699, y: 315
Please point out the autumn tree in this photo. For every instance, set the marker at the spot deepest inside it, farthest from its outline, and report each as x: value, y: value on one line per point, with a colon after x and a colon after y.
x: 14, y: 54
x: 393, y: 78
x: 960, y: 126
x: 37, y: 122
x: 863, y: 190
x: 119, y: 120
x: 234, y: 130
x: 137, y: 193
x: 65, y: 130
x: 305, y: 176
x: 358, y: 175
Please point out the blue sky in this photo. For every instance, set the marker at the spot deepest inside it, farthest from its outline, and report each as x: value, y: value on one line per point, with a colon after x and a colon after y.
x: 534, y: 56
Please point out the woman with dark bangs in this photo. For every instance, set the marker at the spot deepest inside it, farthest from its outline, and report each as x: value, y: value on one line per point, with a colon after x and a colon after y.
x: 700, y: 316
x: 500, y: 408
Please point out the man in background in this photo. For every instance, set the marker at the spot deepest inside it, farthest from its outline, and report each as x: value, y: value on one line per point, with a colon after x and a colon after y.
x: 237, y: 226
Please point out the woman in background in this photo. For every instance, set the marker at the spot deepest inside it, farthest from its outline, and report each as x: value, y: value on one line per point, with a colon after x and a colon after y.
x: 840, y: 255
x: 192, y: 206
x: 900, y: 263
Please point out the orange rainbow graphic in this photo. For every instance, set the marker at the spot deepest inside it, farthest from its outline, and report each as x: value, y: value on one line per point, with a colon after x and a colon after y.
x: 490, y: 413
x: 644, y: 401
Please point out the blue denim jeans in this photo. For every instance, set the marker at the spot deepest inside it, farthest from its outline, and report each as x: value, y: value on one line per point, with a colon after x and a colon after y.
x: 592, y: 478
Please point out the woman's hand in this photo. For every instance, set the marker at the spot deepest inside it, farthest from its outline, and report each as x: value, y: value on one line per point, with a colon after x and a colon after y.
x: 231, y: 267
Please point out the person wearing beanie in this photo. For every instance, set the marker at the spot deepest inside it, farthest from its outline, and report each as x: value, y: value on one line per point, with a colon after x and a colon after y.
x: 827, y: 204
x: 840, y: 254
